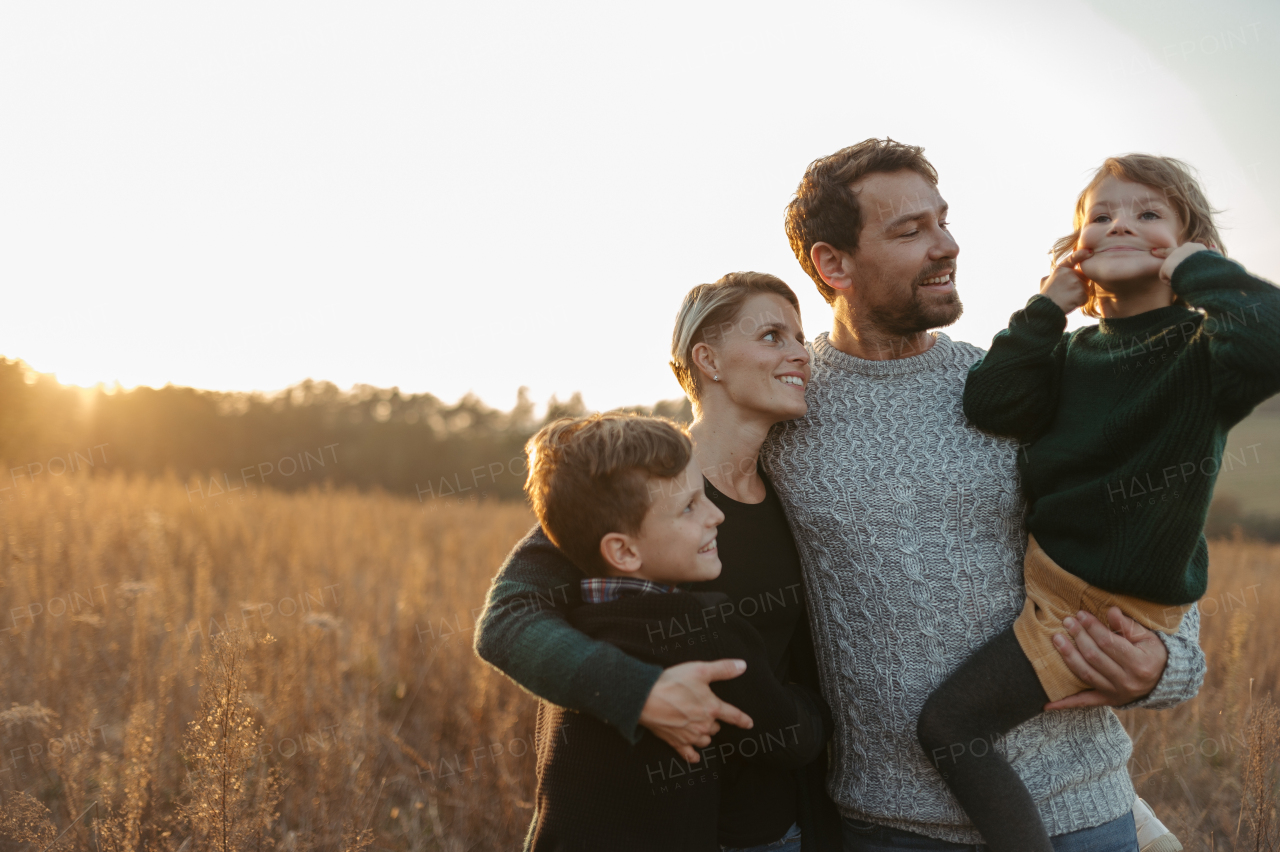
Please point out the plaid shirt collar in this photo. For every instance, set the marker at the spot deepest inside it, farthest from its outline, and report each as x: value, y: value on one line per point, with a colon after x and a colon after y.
x: 605, y: 589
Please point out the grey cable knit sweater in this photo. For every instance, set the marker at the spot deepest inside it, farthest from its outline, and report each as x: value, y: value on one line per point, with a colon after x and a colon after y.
x: 909, y: 525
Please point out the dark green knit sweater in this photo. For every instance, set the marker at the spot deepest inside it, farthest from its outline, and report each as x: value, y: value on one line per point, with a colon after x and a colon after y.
x: 1126, y: 422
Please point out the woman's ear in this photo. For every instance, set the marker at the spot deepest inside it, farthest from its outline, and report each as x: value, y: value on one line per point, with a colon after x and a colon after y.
x: 706, y: 362
x: 620, y: 553
x: 832, y: 266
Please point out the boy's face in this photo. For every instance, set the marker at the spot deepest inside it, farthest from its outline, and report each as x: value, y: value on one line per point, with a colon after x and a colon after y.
x: 1123, y: 222
x: 677, y: 540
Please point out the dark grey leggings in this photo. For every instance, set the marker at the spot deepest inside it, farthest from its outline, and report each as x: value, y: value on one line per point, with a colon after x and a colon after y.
x: 991, y: 693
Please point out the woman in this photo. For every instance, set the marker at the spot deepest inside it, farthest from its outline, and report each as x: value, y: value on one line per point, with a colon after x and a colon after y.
x: 738, y: 352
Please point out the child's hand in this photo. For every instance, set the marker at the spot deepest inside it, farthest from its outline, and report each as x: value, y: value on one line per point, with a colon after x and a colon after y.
x: 1066, y: 284
x: 1175, y: 256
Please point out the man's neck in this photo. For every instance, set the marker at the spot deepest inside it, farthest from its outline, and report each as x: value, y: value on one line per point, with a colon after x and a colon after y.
x: 864, y: 340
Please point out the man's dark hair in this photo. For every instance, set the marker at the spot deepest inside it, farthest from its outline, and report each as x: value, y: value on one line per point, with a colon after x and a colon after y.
x: 825, y: 208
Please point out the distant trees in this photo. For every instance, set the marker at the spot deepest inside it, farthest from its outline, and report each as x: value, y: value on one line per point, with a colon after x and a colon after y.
x: 310, y: 433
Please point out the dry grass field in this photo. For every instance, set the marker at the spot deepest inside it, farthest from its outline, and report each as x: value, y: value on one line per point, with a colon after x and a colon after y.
x: 294, y: 671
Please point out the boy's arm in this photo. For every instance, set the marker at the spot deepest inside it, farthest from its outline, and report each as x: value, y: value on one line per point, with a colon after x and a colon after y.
x: 792, y: 723
x: 1242, y: 324
x: 1013, y: 389
x: 524, y: 632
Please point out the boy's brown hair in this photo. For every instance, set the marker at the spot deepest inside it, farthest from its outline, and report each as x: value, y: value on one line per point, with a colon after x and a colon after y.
x: 1174, y: 181
x: 826, y: 210
x: 590, y: 476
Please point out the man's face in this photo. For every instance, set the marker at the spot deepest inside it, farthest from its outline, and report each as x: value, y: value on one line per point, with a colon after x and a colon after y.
x: 903, y: 272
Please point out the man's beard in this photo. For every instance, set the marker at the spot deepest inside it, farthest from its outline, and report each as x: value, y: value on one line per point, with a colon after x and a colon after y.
x: 915, y: 316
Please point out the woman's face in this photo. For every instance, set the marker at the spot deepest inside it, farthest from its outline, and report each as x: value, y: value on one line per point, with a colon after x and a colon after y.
x: 761, y: 359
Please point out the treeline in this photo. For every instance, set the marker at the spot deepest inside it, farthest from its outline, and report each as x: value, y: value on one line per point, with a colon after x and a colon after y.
x: 1228, y: 520
x: 224, y: 445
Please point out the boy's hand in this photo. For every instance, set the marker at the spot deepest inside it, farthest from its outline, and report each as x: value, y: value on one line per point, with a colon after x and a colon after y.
x: 682, y: 710
x: 1175, y: 256
x: 1066, y: 284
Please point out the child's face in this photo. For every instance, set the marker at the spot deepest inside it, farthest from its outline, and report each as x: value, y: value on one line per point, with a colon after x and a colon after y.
x: 1123, y: 222
x: 677, y: 540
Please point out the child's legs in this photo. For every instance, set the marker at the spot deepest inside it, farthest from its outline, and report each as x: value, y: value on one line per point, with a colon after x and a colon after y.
x: 991, y: 693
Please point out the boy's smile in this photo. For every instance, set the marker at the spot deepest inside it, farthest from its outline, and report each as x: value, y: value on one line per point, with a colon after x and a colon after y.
x: 676, y: 542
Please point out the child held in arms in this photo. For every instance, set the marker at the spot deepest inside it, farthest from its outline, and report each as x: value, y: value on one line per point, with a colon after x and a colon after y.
x: 1124, y: 424
x: 622, y: 496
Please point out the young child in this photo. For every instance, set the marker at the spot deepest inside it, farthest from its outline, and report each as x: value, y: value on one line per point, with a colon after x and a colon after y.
x: 623, y: 498
x: 1125, y: 424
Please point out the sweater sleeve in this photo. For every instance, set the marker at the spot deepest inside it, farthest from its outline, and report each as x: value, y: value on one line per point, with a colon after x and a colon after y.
x: 1013, y: 389
x: 1184, y: 670
x: 792, y: 723
x: 524, y: 632
x: 1242, y: 315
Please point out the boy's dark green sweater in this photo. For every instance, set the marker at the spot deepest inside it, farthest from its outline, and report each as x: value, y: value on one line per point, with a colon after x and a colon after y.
x: 1126, y: 422
x: 597, y: 791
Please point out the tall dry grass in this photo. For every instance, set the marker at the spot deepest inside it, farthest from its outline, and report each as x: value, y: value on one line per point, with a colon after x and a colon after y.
x: 1208, y: 767
x: 294, y: 672
x: 286, y: 671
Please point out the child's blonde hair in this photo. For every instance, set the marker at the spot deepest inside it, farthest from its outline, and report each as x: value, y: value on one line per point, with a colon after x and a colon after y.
x: 1174, y: 180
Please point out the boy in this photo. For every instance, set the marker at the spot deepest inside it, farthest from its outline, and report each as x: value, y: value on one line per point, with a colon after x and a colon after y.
x: 623, y: 498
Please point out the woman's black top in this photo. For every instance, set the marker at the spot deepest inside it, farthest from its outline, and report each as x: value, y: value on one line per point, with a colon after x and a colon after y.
x: 762, y: 578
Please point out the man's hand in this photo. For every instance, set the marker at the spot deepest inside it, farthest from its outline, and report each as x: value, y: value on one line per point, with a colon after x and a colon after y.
x: 1174, y: 256
x: 682, y: 709
x: 1123, y: 663
x: 1066, y: 284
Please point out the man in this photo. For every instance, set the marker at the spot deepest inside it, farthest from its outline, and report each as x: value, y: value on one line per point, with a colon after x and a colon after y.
x: 909, y: 525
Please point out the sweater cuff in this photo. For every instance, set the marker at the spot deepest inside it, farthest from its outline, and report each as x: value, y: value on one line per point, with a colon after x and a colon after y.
x: 1183, y: 673
x: 1206, y: 271
x: 1044, y: 316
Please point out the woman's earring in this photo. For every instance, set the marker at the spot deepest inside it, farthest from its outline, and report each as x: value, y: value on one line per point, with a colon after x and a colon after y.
x: 716, y: 377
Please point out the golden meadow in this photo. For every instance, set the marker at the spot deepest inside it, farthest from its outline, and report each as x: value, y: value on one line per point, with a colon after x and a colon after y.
x: 294, y: 671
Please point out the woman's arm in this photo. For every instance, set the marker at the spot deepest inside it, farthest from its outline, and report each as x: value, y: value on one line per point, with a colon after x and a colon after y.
x: 524, y: 632
x: 1013, y: 390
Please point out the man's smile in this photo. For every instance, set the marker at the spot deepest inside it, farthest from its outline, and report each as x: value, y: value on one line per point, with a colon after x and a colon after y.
x: 940, y: 283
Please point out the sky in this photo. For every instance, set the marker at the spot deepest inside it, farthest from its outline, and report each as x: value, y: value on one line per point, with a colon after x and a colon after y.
x: 454, y: 198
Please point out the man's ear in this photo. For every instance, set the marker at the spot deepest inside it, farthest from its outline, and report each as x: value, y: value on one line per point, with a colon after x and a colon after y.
x: 620, y: 553
x: 833, y: 265
x: 706, y: 361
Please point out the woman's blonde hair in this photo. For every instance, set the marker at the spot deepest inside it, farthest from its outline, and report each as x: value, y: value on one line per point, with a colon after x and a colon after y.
x: 1171, y: 178
x: 709, y: 313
